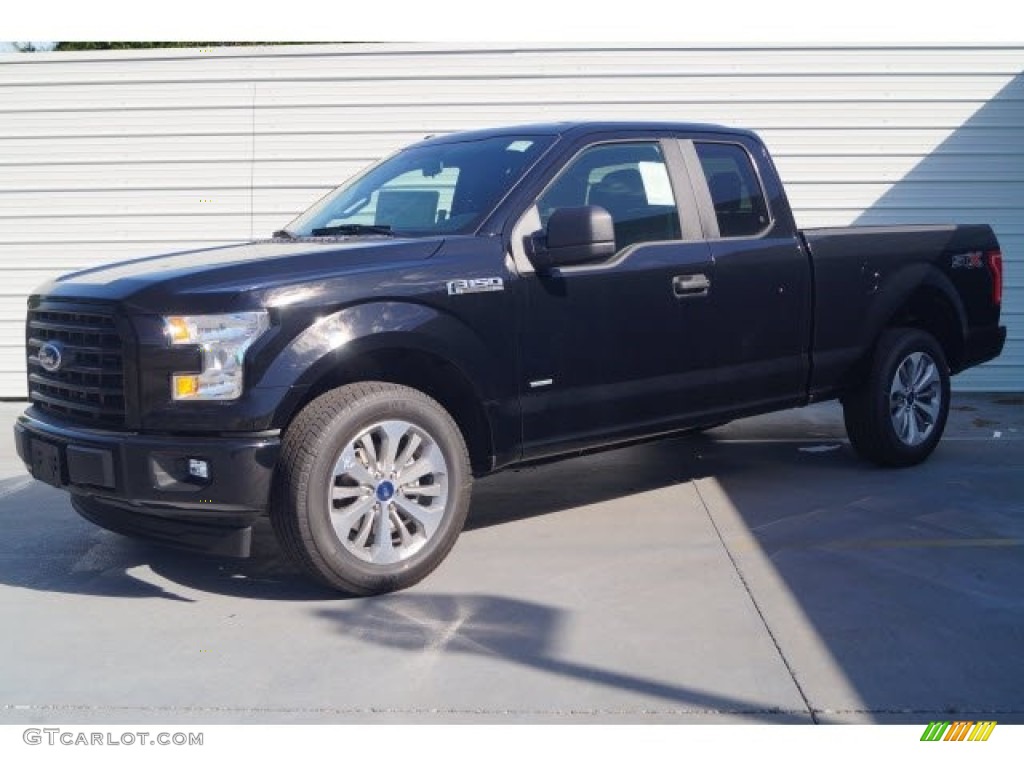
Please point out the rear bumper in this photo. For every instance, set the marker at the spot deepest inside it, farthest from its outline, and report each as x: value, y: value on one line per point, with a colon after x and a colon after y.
x: 140, y: 484
x: 982, y: 345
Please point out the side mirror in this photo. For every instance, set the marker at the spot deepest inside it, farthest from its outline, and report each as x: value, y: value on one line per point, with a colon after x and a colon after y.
x: 574, y: 236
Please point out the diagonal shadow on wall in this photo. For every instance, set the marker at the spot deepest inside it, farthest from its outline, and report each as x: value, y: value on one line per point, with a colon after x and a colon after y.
x: 976, y: 175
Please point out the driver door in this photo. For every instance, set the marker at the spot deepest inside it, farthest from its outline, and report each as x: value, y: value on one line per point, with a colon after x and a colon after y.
x: 617, y: 348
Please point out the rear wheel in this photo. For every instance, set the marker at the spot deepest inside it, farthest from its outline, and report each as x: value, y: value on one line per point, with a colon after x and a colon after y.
x: 897, y: 416
x: 372, y: 487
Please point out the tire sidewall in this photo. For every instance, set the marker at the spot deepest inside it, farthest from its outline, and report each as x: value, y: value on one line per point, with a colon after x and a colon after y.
x: 314, y: 501
x: 901, y: 344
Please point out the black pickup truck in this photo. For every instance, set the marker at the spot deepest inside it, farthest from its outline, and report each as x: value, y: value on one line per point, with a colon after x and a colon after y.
x: 476, y: 301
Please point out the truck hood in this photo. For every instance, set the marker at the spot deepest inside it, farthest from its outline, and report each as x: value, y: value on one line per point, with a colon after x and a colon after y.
x: 237, y: 273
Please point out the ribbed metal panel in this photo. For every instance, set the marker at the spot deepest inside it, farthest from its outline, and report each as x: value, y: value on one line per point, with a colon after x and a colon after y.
x: 110, y: 155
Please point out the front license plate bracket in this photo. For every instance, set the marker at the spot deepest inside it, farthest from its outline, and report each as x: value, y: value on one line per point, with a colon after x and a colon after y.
x: 46, y: 463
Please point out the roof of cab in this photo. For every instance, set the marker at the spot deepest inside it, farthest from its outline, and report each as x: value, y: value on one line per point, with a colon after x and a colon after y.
x: 578, y: 128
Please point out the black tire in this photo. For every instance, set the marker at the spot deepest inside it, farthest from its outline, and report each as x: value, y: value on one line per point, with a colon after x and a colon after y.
x: 334, y: 443
x: 886, y: 420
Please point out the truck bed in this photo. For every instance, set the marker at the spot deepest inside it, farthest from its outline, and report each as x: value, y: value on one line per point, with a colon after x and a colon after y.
x: 862, y: 275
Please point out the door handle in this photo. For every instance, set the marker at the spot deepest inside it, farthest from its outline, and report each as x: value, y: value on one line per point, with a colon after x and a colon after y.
x: 690, y: 286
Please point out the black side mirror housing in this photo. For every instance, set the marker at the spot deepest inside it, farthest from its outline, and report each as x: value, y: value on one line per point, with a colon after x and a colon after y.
x: 574, y: 236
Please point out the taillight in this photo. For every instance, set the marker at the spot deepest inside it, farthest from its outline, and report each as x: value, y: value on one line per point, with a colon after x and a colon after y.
x: 995, y: 266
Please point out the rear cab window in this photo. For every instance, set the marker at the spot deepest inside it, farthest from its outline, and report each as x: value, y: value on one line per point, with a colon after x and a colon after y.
x: 736, y: 192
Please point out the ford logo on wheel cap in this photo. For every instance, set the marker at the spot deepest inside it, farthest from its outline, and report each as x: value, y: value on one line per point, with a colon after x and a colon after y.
x: 50, y: 357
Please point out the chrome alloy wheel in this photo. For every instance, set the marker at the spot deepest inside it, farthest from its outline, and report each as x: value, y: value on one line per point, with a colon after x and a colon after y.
x: 389, y: 492
x: 915, y: 398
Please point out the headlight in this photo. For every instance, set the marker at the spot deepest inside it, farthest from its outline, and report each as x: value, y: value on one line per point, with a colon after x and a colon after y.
x: 224, y: 340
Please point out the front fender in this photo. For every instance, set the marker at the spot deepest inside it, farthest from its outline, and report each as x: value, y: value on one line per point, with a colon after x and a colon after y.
x: 394, y: 326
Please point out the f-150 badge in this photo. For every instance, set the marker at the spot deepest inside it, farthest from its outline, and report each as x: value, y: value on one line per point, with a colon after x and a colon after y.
x: 475, y: 285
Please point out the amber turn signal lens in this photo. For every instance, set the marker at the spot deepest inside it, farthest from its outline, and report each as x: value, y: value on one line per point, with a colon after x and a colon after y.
x: 177, y: 330
x: 185, y: 387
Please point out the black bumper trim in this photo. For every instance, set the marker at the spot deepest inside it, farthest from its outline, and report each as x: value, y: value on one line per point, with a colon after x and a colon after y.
x: 189, y: 535
x: 130, y: 468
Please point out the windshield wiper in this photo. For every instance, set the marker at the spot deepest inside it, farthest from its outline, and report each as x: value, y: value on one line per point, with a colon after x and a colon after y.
x: 283, y: 233
x: 353, y: 229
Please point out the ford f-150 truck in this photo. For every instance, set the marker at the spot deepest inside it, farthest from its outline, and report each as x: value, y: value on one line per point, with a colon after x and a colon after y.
x: 476, y: 301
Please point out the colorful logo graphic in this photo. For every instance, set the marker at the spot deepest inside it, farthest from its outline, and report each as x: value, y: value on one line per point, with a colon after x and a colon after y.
x: 961, y: 730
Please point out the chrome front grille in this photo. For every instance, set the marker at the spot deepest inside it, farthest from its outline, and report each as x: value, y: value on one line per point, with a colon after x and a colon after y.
x: 76, y: 364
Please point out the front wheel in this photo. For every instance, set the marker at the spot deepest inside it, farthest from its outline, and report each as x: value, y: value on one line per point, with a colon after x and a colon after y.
x: 372, y: 487
x: 897, y: 416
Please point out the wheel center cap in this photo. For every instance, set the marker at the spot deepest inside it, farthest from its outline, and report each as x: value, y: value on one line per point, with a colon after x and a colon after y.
x: 385, y: 491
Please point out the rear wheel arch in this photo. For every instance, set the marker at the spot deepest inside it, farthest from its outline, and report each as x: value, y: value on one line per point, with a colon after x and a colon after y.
x: 918, y: 297
x: 931, y: 309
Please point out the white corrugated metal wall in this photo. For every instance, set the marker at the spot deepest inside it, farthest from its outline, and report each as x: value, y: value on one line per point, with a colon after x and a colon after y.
x: 107, y: 155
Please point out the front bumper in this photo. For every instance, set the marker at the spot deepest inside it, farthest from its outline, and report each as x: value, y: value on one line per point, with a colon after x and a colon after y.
x: 140, y: 484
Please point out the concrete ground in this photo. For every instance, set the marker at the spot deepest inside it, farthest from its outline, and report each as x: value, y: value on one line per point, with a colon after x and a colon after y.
x: 760, y: 573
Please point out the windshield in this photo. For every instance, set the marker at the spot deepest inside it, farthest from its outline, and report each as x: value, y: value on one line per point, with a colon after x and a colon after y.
x: 425, y: 190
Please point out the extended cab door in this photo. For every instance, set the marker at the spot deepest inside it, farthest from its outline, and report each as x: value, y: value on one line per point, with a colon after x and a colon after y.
x: 760, y: 298
x: 617, y: 348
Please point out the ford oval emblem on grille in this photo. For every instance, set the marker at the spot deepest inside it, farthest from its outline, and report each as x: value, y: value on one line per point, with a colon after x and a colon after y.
x: 50, y: 357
